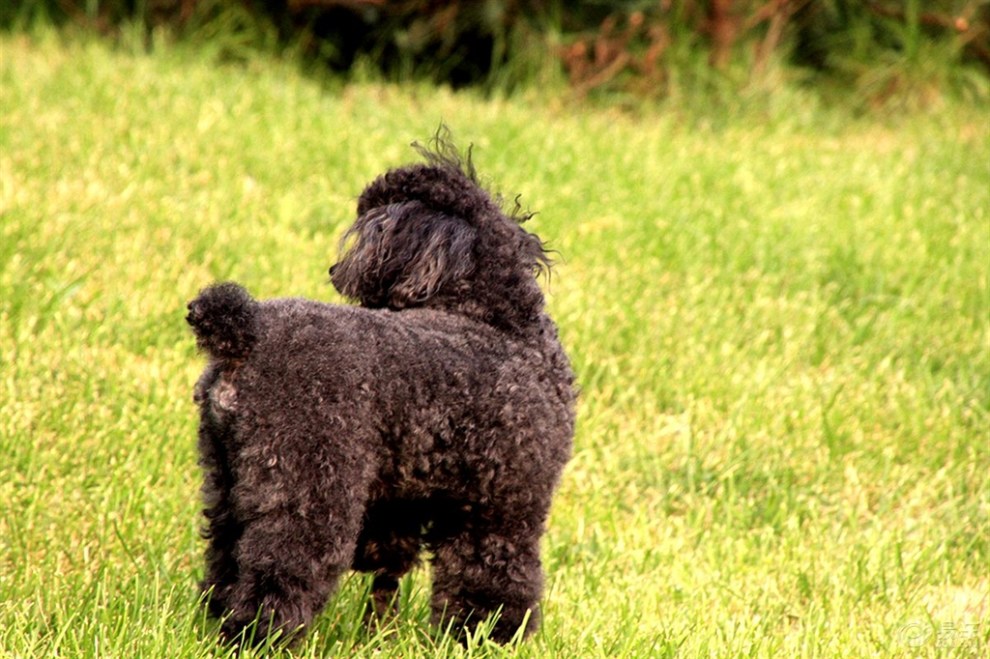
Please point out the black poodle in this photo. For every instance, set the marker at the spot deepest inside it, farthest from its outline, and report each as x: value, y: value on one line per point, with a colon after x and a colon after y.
x: 437, y: 414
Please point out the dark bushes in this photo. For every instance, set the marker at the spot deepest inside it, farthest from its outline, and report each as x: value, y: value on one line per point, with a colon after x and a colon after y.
x: 630, y: 46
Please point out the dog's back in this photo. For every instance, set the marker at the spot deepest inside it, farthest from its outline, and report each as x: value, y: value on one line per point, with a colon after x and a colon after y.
x: 426, y: 381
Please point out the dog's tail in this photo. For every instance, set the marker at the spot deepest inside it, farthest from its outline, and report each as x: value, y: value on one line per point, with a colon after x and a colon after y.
x: 223, y: 319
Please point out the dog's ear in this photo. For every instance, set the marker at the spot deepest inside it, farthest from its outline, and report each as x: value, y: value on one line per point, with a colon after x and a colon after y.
x: 401, y: 255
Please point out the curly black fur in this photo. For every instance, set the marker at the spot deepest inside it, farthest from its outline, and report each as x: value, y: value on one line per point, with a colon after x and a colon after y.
x: 223, y: 321
x: 438, y: 414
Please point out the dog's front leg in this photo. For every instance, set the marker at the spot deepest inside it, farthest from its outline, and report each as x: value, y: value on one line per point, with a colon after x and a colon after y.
x: 479, y: 573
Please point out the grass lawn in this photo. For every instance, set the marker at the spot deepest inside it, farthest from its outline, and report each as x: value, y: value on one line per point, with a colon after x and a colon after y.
x: 781, y: 329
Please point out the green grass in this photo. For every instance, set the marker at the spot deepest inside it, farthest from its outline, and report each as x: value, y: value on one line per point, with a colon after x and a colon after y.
x: 781, y: 328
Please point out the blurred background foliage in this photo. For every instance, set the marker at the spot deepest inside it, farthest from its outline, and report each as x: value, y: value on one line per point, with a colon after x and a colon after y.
x: 907, y: 54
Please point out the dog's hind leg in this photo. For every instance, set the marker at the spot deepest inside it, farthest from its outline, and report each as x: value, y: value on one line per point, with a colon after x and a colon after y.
x: 292, y: 551
x: 222, y: 529
x: 388, y: 548
x: 480, y: 572
x: 286, y: 574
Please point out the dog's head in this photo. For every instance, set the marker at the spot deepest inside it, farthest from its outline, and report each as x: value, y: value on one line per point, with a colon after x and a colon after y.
x: 430, y: 235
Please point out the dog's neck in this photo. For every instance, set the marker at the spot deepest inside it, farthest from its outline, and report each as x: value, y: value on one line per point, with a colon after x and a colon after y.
x: 516, y: 307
